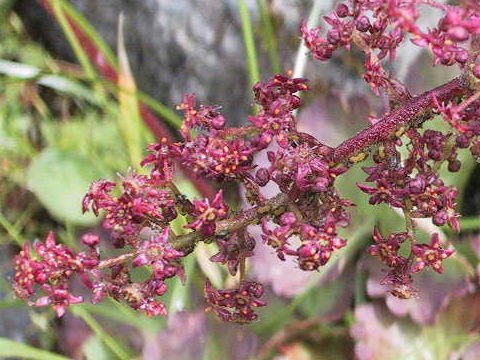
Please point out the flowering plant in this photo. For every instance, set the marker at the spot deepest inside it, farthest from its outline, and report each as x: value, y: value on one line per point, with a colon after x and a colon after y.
x: 139, y: 209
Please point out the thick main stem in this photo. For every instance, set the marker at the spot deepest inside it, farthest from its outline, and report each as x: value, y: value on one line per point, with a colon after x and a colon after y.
x: 410, y: 114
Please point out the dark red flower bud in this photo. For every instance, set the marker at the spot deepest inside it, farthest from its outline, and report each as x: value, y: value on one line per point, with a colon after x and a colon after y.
x: 461, y: 56
x: 462, y: 141
x: 342, y: 10
x: 333, y: 36
x: 362, y: 24
x: 454, y: 165
x: 262, y: 177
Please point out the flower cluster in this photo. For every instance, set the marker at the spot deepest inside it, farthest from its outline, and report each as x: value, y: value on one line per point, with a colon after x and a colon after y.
x: 277, y: 101
x: 207, y: 214
x: 430, y: 255
x: 126, y: 214
x: 378, y: 28
x: 399, y: 277
x: 414, y: 185
x: 387, y: 248
x: 302, y: 222
x: 301, y: 169
x: 234, y: 250
x: 235, y: 305
x: 317, y: 242
x: 50, y: 273
x: 211, y: 154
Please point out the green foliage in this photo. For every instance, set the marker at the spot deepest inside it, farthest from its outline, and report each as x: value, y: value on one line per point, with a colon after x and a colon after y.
x: 13, y: 349
x: 59, y: 180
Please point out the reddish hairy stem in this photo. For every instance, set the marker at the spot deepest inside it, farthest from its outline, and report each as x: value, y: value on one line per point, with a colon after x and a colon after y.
x: 409, y: 114
x: 108, y: 263
x: 187, y: 242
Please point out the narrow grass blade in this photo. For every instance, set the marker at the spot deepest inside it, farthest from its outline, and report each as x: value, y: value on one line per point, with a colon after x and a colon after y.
x: 81, y: 55
x: 11, y: 231
x: 90, y: 32
x: 130, y: 122
x: 13, y: 349
x: 270, y: 39
x: 249, y: 43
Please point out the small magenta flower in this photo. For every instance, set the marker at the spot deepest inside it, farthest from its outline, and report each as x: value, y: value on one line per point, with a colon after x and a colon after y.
x: 235, y: 305
x: 59, y: 298
x: 28, y: 272
x: 98, y: 196
x: 431, y: 254
x: 207, y: 214
x: 161, y: 157
x: 206, y: 117
x: 387, y: 248
x: 384, y: 192
x: 91, y: 239
x: 399, y: 280
x: 139, y: 297
x: 152, y: 308
x: 317, y: 246
x: 158, y: 253
x: 277, y: 238
x: 233, y: 250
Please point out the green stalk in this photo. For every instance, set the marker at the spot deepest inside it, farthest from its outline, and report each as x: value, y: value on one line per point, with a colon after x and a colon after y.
x: 118, y: 349
x: 91, y: 33
x: 12, y: 349
x: 270, y: 38
x: 11, y: 231
x: 57, y: 7
x: 249, y: 43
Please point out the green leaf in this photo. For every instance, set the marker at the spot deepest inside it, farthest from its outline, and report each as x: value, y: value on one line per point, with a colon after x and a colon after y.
x: 13, y: 349
x: 69, y: 33
x: 60, y: 180
x: 59, y: 83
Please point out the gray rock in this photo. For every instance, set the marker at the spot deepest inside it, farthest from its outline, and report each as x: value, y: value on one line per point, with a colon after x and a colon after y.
x: 178, y: 46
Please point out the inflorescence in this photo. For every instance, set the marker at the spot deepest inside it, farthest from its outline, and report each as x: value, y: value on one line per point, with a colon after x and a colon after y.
x: 302, y: 221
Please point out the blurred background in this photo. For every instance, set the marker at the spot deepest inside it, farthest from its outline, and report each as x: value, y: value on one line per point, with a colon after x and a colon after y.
x: 85, y: 85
